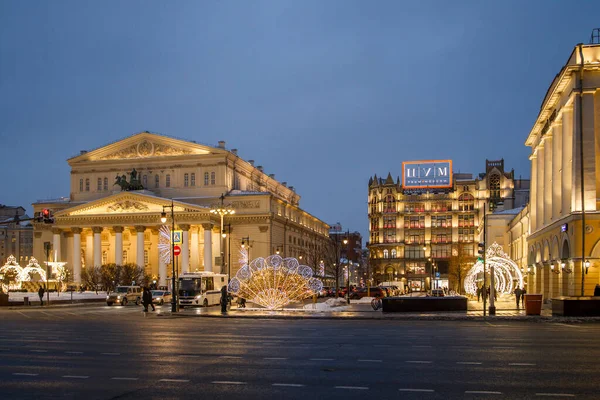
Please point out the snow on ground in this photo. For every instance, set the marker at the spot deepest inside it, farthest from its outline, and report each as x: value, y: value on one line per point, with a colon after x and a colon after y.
x: 33, y: 297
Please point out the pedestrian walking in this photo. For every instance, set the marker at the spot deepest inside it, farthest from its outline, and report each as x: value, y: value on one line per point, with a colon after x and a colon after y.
x: 523, y: 292
x: 147, y: 299
x: 224, y: 300
x: 597, y: 290
x: 518, y: 293
x: 478, y: 294
x: 41, y: 294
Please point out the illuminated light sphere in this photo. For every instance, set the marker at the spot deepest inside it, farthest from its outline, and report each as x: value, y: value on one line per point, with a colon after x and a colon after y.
x: 164, y: 244
x: 32, y: 268
x: 274, y: 282
x: 507, y: 274
x: 13, y: 270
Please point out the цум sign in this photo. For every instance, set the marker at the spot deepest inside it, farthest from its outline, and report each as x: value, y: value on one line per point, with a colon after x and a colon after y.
x: 427, y: 174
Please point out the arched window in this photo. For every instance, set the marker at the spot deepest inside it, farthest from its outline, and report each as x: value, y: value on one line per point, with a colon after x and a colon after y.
x: 389, y: 205
x: 168, y: 181
x: 386, y: 254
x: 193, y: 182
x: 105, y: 184
x: 394, y: 254
x: 156, y: 181
x: 87, y: 184
x: 466, y: 202
x: 99, y: 184
x: 186, y: 180
x: 495, y: 186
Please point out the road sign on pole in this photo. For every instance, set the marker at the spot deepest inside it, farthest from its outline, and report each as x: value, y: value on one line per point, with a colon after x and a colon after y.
x: 177, y: 237
x: 176, y: 250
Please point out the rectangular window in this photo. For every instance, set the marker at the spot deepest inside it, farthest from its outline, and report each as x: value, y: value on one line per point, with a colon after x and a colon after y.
x: 99, y: 184
x: 414, y: 222
x: 81, y: 185
x: 156, y: 181
x: 466, y: 235
x: 414, y: 207
x: 206, y: 179
x: 193, y: 182
x: 440, y: 251
x: 124, y: 256
x: 168, y: 181
x: 414, y: 252
x: 87, y: 184
x: 212, y: 178
x: 186, y: 180
x: 466, y: 220
x: 105, y: 184
x: 146, y: 259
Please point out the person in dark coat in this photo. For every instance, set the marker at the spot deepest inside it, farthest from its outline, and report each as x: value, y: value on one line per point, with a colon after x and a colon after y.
x: 597, y: 290
x: 41, y: 294
x: 523, y: 293
x: 224, y: 296
x: 518, y: 293
x: 147, y: 299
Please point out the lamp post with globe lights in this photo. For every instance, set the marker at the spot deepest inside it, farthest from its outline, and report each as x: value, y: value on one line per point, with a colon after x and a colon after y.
x: 222, y: 210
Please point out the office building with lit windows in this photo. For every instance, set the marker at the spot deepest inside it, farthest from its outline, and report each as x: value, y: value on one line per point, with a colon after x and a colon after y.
x: 428, y: 221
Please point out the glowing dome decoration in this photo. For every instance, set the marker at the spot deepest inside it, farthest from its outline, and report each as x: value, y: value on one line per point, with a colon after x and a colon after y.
x: 164, y: 244
x: 12, y: 273
x: 31, y: 269
x: 274, y: 282
x: 506, y: 272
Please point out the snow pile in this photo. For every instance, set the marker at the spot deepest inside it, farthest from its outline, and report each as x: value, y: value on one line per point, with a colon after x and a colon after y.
x: 364, y: 300
x: 333, y: 304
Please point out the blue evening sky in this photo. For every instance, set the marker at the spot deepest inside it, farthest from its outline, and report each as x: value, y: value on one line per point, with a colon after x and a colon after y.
x: 322, y: 93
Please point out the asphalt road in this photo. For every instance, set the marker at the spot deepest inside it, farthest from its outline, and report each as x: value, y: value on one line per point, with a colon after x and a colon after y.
x: 99, y: 352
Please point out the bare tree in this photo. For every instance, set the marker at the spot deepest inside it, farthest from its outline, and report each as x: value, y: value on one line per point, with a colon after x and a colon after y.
x: 91, y: 277
x: 459, y: 265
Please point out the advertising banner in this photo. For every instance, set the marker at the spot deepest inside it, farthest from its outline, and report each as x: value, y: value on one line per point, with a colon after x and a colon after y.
x: 427, y: 174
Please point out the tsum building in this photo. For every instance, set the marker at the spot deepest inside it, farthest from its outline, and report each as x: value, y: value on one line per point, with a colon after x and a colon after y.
x: 101, y: 222
x: 419, y: 222
x: 565, y: 181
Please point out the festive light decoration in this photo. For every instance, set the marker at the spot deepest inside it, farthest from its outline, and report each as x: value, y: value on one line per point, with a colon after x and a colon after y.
x: 164, y: 244
x: 506, y: 271
x: 14, y: 270
x: 274, y: 282
x: 321, y: 268
x: 31, y: 269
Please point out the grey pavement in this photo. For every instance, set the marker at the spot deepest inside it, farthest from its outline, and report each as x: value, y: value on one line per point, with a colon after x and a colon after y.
x: 100, y: 352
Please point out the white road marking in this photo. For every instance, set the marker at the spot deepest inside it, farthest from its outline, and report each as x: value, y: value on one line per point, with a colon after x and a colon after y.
x: 111, y: 354
x: 522, y: 364
x: 417, y: 390
x: 352, y: 387
x: 321, y: 359
x: 288, y: 384
x: 274, y: 358
x: 468, y: 363
x: 419, y: 362
x: 228, y: 383
x: 233, y: 357
x: 190, y: 355
x: 382, y: 345
x: 370, y: 360
x: 118, y: 378
x: 75, y: 376
x: 24, y: 374
x: 174, y: 380
x: 73, y: 352
x: 38, y: 351
x: 421, y: 346
x: 481, y: 392
x: 556, y: 394
x: 503, y: 347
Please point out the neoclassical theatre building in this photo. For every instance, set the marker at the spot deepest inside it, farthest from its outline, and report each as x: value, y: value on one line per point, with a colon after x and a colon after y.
x: 104, y: 222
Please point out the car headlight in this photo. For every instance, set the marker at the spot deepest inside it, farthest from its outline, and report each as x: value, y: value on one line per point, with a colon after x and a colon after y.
x: 158, y: 299
x: 118, y: 297
x: 198, y: 297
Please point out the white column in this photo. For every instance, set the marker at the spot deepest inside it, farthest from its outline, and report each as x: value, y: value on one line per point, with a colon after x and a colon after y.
x: 548, y: 179
x: 557, y: 166
x: 76, y: 255
x: 533, y: 194
x: 540, y: 186
x: 56, y: 256
x: 118, y: 245
x: 550, y: 282
x: 139, y: 248
x: 185, y: 248
x: 208, y: 247
x: 194, y: 250
x: 97, y: 246
x: 567, y: 160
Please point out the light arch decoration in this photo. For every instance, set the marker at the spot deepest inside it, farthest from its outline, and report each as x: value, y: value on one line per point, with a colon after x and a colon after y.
x: 32, y: 268
x: 274, y: 282
x: 506, y: 272
x: 13, y: 268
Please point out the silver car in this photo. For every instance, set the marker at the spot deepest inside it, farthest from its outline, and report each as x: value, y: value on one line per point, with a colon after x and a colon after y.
x: 124, y: 295
x: 161, y: 297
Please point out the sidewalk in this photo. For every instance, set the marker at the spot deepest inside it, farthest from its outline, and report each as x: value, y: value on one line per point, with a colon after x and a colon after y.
x: 16, y: 299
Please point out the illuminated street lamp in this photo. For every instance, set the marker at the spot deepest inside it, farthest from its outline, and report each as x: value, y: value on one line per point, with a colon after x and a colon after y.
x: 222, y: 210
x: 345, y: 241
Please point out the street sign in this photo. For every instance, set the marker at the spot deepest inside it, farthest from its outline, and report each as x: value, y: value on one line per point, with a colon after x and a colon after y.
x: 176, y: 250
x: 177, y: 237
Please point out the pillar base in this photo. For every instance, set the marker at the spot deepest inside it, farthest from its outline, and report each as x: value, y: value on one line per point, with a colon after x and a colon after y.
x: 492, y: 310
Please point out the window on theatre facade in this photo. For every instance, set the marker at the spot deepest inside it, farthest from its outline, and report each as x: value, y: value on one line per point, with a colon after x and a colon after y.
x: 81, y: 185
x: 466, y: 202
x: 168, y: 181
x: 193, y: 179
x: 186, y: 180
x: 156, y: 181
x: 87, y: 185
x: 212, y: 178
x: 105, y: 184
x: 99, y: 188
x: 206, y: 179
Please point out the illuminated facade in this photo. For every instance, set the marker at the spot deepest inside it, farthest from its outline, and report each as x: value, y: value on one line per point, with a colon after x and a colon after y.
x: 15, y: 239
x: 102, y: 222
x: 415, y: 232
x: 565, y: 179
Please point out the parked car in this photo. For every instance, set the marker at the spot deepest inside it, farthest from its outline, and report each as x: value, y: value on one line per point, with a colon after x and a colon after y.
x: 363, y: 292
x: 324, y: 292
x: 161, y: 297
x: 125, y: 294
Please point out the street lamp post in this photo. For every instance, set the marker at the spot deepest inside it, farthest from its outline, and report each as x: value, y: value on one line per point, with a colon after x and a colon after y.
x: 222, y: 210
x: 163, y: 219
x: 346, y: 241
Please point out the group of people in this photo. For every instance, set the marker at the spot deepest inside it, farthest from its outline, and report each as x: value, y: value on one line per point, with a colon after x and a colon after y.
x: 480, y: 293
x: 520, y: 296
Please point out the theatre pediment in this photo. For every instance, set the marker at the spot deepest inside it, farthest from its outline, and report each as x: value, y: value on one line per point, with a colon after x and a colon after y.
x: 147, y: 149
x: 123, y: 204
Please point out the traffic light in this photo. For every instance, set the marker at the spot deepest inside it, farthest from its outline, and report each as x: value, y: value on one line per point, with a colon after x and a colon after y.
x: 45, y: 216
x: 480, y: 251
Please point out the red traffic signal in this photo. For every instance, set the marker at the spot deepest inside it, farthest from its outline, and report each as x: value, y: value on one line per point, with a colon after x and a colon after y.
x: 45, y: 216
